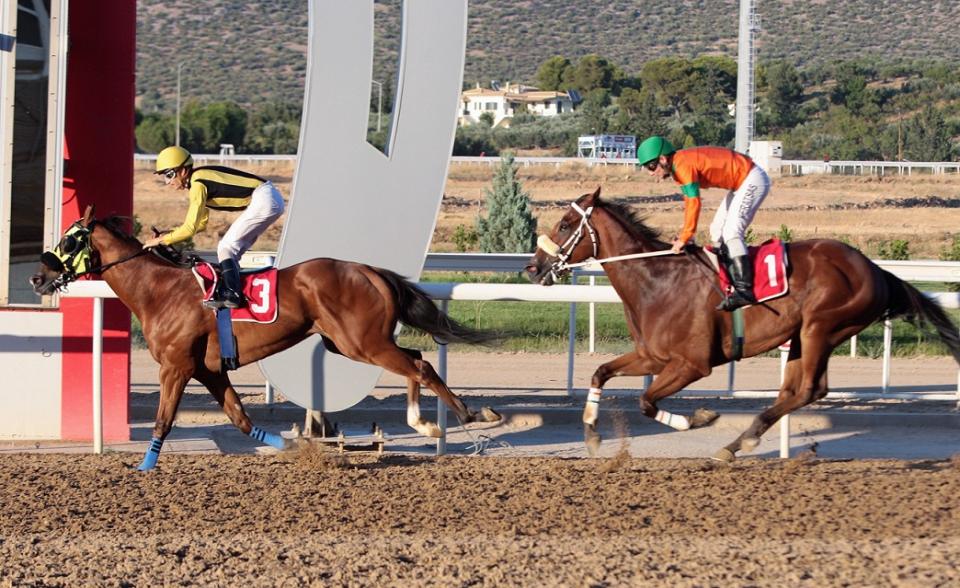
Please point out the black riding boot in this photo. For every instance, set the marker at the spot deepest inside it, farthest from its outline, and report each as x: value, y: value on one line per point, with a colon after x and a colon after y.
x: 740, y: 271
x: 229, y: 292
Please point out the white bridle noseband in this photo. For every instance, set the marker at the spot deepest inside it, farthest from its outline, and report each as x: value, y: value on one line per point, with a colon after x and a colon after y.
x: 562, y: 252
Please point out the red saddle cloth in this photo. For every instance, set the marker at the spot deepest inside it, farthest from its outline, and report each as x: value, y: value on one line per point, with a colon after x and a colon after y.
x: 769, y: 270
x: 259, y: 287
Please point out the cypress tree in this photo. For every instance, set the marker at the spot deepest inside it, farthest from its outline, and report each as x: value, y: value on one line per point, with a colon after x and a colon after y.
x: 509, y: 226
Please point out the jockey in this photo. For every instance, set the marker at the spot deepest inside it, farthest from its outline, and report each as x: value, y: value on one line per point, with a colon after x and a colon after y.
x: 219, y: 188
x: 714, y: 167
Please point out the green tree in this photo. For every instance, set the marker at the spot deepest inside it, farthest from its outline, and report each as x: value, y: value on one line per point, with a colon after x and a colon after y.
x: 671, y: 80
x: 593, y: 72
x: 510, y: 226
x: 274, y: 128
x: 552, y: 72
x: 155, y: 132
x: 851, y: 88
x: 593, y: 113
x: 784, y: 95
x: 926, y: 137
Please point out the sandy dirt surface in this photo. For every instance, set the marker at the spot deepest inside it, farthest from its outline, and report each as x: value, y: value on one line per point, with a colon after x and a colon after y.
x: 309, y: 518
x: 542, y: 378
x: 863, y: 210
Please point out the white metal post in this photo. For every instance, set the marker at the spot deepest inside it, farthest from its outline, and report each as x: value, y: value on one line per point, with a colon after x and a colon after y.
x: 572, y: 337
x: 853, y: 346
x: 97, y: 379
x: 785, y: 419
x: 887, y: 351
x: 731, y: 372
x: 593, y: 318
x: 441, y: 407
x: 267, y: 393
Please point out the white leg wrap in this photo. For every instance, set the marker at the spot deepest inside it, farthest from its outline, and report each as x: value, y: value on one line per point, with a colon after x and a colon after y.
x: 677, y: 421
x: 592, y: 410
x: 413, y: 416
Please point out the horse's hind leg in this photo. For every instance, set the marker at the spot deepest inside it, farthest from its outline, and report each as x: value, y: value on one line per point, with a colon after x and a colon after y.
x: 805, y: 381
x: 419, y: 372
x: 222, y: 390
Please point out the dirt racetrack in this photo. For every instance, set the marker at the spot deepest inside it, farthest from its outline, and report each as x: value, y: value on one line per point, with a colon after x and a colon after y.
x: 308, y: 518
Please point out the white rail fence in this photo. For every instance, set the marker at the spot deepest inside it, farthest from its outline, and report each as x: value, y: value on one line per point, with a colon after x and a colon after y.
x: 573, y: 294
x: 787, y: 166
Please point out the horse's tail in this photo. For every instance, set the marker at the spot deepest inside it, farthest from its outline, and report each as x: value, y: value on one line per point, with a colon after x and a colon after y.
x: 417, y: 310
x: 912, y: 304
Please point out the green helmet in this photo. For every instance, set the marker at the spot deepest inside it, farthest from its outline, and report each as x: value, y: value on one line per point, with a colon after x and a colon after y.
x: 653, y: 148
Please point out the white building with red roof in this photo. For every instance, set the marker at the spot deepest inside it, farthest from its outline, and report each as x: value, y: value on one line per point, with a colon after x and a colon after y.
x: 503, y: 103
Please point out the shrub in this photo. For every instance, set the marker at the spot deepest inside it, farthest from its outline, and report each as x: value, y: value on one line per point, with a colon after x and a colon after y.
x: 896, y: 249
x: 510, y: 226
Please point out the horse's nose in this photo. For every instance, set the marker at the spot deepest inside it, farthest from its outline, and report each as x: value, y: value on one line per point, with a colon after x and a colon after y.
x: 530, y: 271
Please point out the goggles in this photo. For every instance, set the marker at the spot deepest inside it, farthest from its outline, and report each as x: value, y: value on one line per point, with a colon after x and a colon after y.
x: 169, y: 174
x: 652, y: 165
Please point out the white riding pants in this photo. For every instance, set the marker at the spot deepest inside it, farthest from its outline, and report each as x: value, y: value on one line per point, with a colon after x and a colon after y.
x: 736, y: 211
x: 266, y: 205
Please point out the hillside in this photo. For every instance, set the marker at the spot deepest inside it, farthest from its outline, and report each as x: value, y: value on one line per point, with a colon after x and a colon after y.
x: 255, y: 51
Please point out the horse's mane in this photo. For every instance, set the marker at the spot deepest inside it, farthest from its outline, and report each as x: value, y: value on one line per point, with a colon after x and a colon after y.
x: 631, y: 221
x: 114, y: 224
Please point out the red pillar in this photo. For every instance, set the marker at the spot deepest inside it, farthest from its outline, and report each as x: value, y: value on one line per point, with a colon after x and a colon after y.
x: 98, y: 170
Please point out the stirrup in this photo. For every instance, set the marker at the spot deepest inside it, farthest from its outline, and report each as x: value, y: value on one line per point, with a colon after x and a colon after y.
x: 214, y: 303
x: 734, y: 301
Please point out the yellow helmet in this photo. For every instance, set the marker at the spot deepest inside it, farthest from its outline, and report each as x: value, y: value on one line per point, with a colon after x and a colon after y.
x: 173, y: 158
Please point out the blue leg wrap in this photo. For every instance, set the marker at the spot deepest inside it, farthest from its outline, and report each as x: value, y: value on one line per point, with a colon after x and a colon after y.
x: 268, y: 438
x: 153, y: 452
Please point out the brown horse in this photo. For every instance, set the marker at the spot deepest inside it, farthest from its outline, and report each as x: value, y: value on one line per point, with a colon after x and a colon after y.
x: 354, y: 307
x: 834, y: 293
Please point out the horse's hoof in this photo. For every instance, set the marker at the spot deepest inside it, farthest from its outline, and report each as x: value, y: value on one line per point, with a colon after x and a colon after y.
x: 429, y: 430
x: 724, y: 455
x: 488, y: 415
x: 749, y: 444
x: 592, y: 439
x: 702, y: 418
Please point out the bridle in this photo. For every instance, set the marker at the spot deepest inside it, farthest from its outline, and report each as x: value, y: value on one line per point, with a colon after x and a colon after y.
x: 560, y: 267
x: 72, y: 247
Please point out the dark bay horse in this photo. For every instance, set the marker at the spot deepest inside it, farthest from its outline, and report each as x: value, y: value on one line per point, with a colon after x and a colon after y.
x: 834, y: 293
x: 354, y: 307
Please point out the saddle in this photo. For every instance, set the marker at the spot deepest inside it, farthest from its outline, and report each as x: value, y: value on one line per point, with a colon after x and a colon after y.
x: 259, y: 287
x: 770, y: 268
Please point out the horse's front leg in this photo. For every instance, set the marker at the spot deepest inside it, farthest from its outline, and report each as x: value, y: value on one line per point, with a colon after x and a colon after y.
x: 173, y: 379
x: 222, y: 390
x: 628, y: 364
x: 674, y: 376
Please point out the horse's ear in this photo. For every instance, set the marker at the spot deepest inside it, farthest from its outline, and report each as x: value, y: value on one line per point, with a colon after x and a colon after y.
x: 592, y: 199
x: 87, y: 216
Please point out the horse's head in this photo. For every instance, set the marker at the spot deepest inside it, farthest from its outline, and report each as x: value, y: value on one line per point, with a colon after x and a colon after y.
x: 72, y: 257
x: 572, y: 240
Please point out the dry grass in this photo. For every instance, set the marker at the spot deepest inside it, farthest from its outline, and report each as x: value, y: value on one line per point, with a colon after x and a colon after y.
x: 810, y: 206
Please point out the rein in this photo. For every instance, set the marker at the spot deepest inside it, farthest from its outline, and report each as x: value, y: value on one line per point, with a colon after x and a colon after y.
x: 621, y: 258
x: 103, y: 268
x: 562, y: 252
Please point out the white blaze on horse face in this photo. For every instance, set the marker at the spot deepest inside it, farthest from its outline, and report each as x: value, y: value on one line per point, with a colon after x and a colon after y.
x: 548, y: 246
x: 373, y: 208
